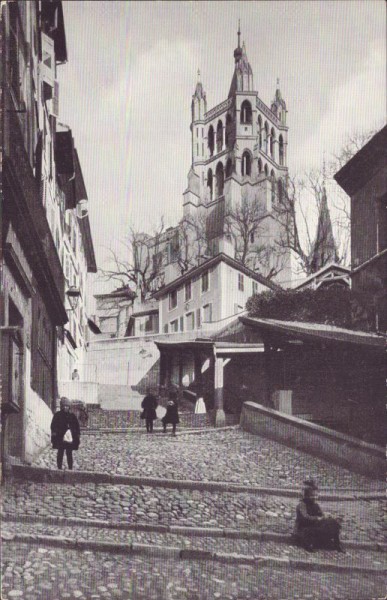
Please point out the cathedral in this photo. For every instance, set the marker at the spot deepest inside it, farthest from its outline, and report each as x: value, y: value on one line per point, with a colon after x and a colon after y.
x: 239, y: 171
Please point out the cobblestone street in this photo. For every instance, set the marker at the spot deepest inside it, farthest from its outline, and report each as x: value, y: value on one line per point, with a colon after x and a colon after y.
x: 56, y: 534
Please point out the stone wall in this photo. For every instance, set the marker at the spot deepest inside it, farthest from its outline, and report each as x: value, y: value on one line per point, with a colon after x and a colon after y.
x: 338, y: 448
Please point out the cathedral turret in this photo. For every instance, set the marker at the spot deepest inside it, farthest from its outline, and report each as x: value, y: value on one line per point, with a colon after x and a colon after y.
x: 199, y: 102
x: 199, y: 109
x: 242, y: 80
x: 278, y: 106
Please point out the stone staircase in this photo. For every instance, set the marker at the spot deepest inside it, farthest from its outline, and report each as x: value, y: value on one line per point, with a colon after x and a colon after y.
x: 127, y: 419
x: 195, y: 517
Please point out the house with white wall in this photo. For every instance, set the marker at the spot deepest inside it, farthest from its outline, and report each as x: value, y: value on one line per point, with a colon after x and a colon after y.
x: 207, y: 295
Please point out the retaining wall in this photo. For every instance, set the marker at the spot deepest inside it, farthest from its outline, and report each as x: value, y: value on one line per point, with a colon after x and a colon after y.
x: 338, y: 448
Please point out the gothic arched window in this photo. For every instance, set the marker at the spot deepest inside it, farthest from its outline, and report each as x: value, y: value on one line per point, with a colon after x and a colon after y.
x: 281, y: 151
x: 228, y: 131
x: 246, y: 112
x: 266, y: 170
x: 272, y: 179
x: 211, y: 142
x: 219, y: 137
x: 266, y: 138
x: 229, y: 168
x: 219, y: 179
x: 280, y: 189
x: 259, y: 132
x: 246, y: 163
x: 272, y: 138
x: 210, y: 184
x: 259, y: 166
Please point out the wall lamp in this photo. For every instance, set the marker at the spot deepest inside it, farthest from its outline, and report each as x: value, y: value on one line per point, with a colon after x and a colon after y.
x: 82, y: 209
x: 73, y: 294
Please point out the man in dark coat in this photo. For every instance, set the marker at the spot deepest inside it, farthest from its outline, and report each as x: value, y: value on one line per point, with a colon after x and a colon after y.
x: 149, y: 405
x: 172, y: 414
x: 313, y: 529
x: 64, y: 425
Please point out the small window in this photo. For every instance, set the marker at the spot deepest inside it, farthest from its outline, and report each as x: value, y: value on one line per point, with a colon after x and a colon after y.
x: 207, y: 313
x: 181, y: 323
x: 205, y: 282
x: 252, y: 238
x: 255, y: 287
x: 198, y: 318
x: 241, y: 282
x: 174, y: 326
x: 172, y: 299
x: 190, y: 318
x: 166, y: 328
x: 188, y: 291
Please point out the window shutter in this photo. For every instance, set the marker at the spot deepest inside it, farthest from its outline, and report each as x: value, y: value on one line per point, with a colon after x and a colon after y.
x: 55, y: 100
x: 48, y: 60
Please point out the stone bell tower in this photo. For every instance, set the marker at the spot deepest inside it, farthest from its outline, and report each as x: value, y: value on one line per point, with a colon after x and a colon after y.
x: 239, y: 153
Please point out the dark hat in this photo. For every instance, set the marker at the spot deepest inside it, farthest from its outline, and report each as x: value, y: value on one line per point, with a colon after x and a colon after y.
x: 311, y: 484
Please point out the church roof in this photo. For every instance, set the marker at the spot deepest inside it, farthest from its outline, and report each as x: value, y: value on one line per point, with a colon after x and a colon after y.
x: 242, y: 66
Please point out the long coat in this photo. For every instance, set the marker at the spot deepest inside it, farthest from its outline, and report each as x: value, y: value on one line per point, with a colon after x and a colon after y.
x: 172, y: 414
x: 312, y: 527
x: 61, y: 422
x: 149, y: 405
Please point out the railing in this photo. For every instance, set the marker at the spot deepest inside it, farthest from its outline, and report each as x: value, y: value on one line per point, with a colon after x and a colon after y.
x: 218, y: 109
x: 267, y: 112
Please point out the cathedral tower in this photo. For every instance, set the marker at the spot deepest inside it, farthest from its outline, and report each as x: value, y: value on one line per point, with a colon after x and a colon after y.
x: 239, y: 152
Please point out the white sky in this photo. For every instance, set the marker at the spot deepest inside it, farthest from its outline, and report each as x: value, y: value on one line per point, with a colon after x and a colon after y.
x: 127, y: 87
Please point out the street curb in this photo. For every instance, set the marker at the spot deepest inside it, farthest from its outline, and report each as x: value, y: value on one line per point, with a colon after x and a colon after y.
x: 43, y: 475
x: 188, y: 431
x: 216, y: 532
x: 189, y: 554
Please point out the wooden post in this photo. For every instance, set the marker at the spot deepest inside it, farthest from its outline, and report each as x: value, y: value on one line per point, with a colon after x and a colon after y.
x: 220, y: 417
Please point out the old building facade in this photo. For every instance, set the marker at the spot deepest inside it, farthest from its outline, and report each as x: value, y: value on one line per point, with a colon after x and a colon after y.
x: 35, y: 203
x: 364, y: 179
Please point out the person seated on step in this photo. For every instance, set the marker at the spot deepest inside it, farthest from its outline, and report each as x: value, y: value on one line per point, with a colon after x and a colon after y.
x: 172, y: 414
x: 149, y: 405
x: 313, y: 529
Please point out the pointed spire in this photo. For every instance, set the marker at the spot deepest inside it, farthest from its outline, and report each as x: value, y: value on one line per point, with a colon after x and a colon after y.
x: 238, y: 50
x: 324, y: 248
x: 199, y: 91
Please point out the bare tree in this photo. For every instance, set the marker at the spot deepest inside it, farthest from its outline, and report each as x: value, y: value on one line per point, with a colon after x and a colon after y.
x: 141, y: 265
x: 301, y: 206
x: 193, y: 241
x: 352, y: 145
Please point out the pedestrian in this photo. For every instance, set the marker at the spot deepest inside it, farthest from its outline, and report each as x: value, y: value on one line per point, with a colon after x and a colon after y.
x: 65, y: 433
x: 313, y: 529
x: 172, y: 414
x: 149, y: 405
x: 75, y: 375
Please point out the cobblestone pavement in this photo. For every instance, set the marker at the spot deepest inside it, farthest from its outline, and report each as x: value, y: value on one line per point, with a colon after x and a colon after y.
x: 231, y: 455
x: 43, y: 572
x: 245, y: 547
x: 362, y: 520
x: 59, y: 574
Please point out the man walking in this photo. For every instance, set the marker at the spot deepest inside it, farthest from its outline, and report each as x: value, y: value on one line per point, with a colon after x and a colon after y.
x: 149, y: 405
x: 65, y: 433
